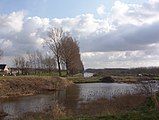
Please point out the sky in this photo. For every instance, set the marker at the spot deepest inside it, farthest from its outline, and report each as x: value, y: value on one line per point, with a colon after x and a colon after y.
x: 111, y: 33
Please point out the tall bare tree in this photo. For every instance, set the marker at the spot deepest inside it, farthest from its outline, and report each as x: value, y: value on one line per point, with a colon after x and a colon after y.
x: 55, y: 35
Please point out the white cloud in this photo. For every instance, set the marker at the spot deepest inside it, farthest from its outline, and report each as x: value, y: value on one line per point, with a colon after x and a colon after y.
x: 19, y: 35
x: 120, y: 8
x: 6, y: 44
x: 127, y: 37
x: 82, y: 25
x: 122, y: 59
x: 153, y: 1
x: 101, y: 10
x: 11, y: 23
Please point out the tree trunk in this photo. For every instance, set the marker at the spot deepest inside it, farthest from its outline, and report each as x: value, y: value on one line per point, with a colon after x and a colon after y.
x: 67, y: 69
x: 58, y: 64
x: 18, y: 71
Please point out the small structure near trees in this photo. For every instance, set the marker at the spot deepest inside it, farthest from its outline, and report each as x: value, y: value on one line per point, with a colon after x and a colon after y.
x: 4, y: 70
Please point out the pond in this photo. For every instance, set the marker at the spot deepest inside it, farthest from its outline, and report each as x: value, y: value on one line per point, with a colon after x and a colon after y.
x: 70, y: 98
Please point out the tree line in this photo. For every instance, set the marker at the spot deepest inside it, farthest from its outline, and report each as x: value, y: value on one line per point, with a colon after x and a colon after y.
x: 34, y: 62
x: 145, y: 71
x: 65, y: 55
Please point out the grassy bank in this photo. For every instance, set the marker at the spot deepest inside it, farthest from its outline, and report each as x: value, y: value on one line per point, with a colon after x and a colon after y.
x: 117, y: 79
x: 145, y: 111
x: 96, y: 79
x: 125, y: 79
x: 81, y: 79
x: 12, y: 86
x: 127, y: 107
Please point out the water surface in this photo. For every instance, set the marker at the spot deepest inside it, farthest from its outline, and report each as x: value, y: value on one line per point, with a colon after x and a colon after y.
x: 70, y: 98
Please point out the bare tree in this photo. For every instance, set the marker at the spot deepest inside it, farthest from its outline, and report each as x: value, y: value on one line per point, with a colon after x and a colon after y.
x: 49, y: 63
x: 20, y: 63
x: 1, y: 53
x: 55, y: 35
x: 30, y: 59
x: 34, y: 60
x: 39, y: 58
x: 16, y: 63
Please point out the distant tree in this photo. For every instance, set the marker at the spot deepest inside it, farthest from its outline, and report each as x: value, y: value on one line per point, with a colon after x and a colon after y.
x: 49, y: 63
x: 20, y: 63
x: 55, y: 35
x: 34, y: 60
x: 70, y: 55
x: 1, y: 53
x: 39, y: 59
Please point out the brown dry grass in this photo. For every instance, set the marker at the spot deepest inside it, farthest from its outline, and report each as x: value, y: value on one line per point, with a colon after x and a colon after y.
x: 125, y: 79
x: 111, y: 107
x: 29, y: 85
x: 100, y: 107
x: 56, y: 112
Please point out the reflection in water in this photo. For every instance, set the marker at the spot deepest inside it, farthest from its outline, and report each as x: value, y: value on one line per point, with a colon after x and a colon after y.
x: 37, y: 103
x: 70, y: 98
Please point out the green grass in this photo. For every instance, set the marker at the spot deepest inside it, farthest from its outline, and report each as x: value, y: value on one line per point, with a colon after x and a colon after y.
x: 96, y: 79
x: 48, y: 73
x: 22, y: 76
x: 78, y: 78
x: 156, y: 78
x: 84, y: 80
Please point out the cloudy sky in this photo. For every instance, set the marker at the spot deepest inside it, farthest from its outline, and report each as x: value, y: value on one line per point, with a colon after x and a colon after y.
x: 111, y: 33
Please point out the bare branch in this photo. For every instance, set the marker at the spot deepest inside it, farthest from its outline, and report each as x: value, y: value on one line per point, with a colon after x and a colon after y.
x: 55, y: 35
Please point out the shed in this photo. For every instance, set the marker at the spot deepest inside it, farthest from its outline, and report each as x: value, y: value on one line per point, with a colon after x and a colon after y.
x: 4, y: 69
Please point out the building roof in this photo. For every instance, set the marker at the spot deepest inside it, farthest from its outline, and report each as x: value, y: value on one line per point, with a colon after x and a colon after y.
x: 2, y: 66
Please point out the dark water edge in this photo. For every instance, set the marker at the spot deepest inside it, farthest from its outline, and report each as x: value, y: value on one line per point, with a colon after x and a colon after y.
x: 70, y: 98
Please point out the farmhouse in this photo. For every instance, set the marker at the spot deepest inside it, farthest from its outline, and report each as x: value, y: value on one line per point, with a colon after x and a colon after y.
x: 4, y: 69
